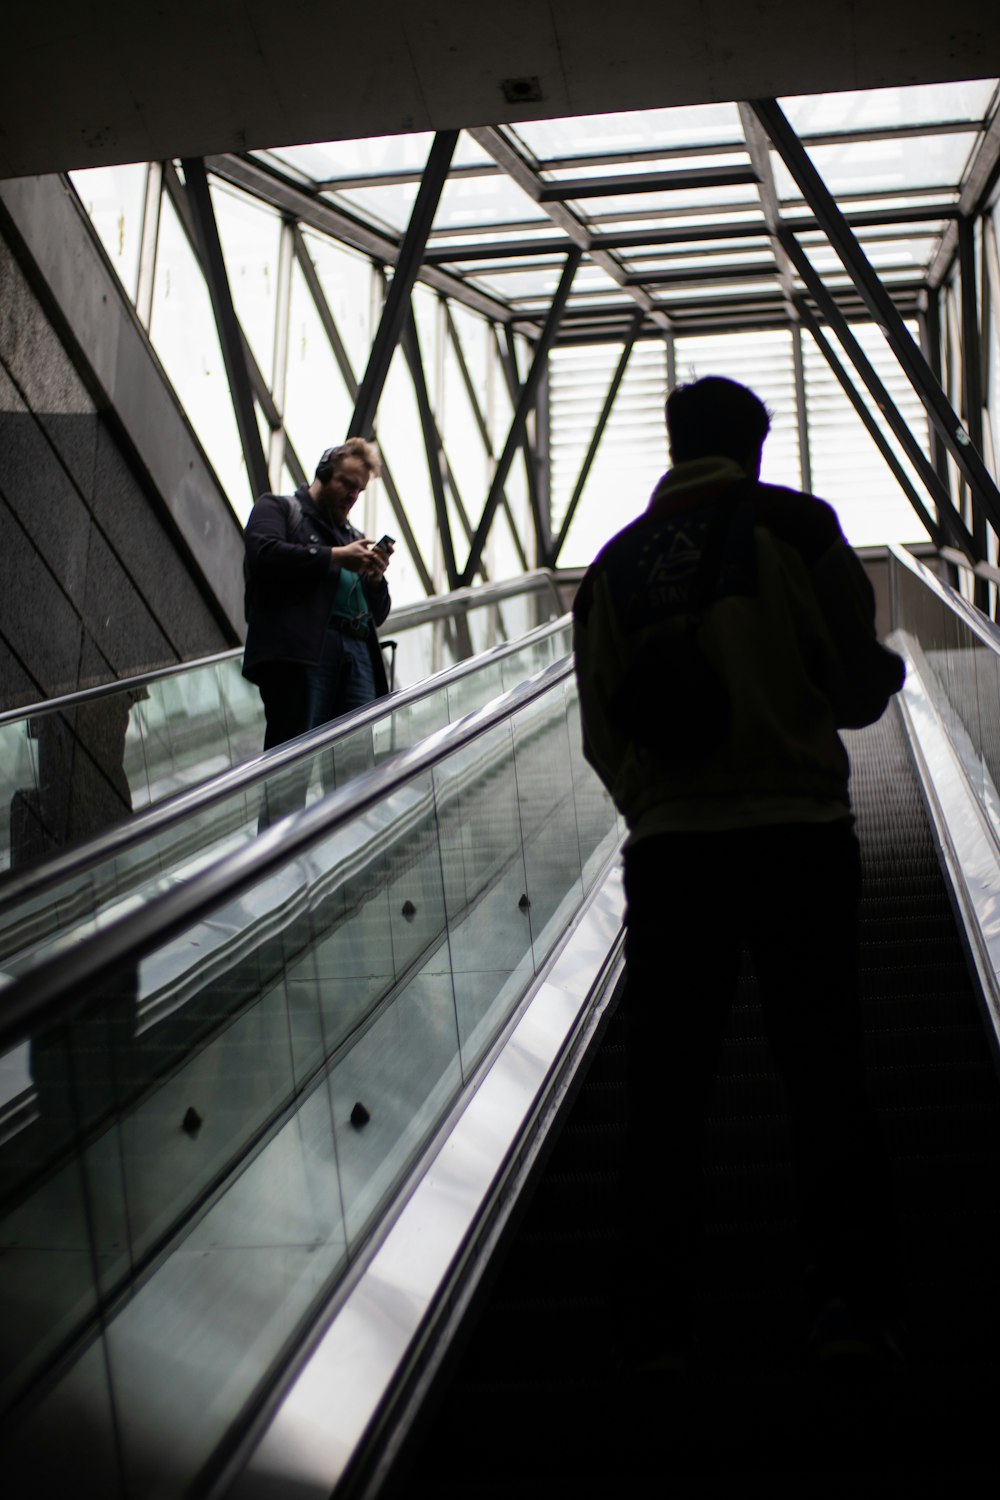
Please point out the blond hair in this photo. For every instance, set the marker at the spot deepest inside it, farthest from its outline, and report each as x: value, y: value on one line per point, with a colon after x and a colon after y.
x: 355, y: 447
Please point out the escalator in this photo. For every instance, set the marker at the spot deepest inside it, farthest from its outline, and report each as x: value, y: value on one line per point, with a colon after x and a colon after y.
x: 232, y: 1077
x: 74, y: 766
x: 544, y: 1350
x: 353, y: 1229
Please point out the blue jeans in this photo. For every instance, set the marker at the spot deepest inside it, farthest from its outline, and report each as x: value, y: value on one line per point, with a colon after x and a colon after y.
x: 341, y: 682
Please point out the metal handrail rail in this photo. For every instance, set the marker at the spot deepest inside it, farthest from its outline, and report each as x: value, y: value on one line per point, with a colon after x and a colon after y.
x: 984, y: 628
x: 406, y: 617
x: 165, y: 814
x: 979, y: 569
x: 58, y: 984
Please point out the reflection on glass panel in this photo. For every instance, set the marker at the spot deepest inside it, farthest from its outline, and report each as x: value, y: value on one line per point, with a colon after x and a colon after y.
x: 113, y: 197
x: 488, y: 929
x: 873, y: 109
x: 883, y: 166
x: 401, y: 439
x: 318, y: 406
x: 182, y: 328
x: 552, y: 861
x: 706, y: 124
x: 18, y: 793
x: 463, y: 438
x: 249, y: 235
x: 346, y: 279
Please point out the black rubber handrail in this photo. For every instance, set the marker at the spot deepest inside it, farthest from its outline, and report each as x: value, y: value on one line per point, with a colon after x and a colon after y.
x: 42, y: 997
x: 165, y: 814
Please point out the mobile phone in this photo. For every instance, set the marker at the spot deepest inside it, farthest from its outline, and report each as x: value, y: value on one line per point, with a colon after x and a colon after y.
x: 385, y: 544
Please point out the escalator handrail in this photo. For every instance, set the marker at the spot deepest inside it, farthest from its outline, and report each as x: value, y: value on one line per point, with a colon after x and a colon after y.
x: 406, y: 617
x: 982, y: 627
x: 160, y: 816
x: 41, y: 997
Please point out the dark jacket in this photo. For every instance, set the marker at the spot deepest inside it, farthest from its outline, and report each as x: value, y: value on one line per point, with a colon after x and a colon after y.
x: 291, y: 585
x: 779, y: 654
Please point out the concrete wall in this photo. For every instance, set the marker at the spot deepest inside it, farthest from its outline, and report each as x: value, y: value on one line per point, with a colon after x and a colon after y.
x: 96, y: 582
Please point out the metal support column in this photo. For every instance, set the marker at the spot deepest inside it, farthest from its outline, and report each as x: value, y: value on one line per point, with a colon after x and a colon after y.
x: 279, y: 367
x: 149, y: 242
x: 230, y: 334
x: 930, y: 327
x: 972, y: 391
x: 525, y: 402
x: 397, y: 303
x: 801, y: 409
x: 595, y: 441
x: 957, y: 532
x: 432, y: 447
x: 874, y: 431
x: 881, y: 307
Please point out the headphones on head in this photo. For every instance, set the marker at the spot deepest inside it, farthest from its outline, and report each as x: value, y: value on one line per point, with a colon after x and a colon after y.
x: 324, y: 469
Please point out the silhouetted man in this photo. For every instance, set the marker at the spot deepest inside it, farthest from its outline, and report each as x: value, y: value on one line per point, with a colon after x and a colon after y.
x: 721, y: 641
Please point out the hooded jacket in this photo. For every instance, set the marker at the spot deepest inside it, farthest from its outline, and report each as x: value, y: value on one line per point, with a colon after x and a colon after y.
x: 721, y: 640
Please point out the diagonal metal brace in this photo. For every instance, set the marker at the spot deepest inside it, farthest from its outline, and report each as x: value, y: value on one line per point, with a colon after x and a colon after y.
x: 397, y: 303
x: 525, y: 402
x: 881, y: 307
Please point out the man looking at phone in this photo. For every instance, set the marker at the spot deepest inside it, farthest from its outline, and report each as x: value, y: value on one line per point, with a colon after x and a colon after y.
x: 315, y: 593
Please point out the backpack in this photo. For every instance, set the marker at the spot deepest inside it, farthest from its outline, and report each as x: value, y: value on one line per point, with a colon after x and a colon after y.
x: 293, y: 520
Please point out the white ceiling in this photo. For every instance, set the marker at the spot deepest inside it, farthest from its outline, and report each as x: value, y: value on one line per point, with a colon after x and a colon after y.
x: 102, y: 81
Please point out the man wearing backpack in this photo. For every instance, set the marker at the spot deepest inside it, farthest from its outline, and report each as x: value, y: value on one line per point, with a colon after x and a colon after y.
x: 721, y: 640
x: 315, y: 593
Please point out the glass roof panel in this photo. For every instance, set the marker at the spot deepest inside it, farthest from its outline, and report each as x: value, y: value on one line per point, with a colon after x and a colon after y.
x: 484, y: 200
x: 648, y: 164
x: 383, y: 153
x: 700, y: 125
x: 873, y: 109
x: 661, y: 204
x: 884, y: 165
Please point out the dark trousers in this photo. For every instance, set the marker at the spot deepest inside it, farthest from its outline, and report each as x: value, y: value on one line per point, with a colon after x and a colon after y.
x: 298, y: 697
x: 791, y: 894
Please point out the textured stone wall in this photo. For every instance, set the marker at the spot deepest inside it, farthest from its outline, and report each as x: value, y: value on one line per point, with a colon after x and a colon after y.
x: 94, y: 584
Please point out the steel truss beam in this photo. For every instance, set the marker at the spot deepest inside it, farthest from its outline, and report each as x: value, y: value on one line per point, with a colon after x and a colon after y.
x: 230, y: 333
x: 350, y: 380
x: 874, y: 431
x: 271, y: 185
x: 484, y: 433
x: 397, y: 303
x: 979, y: 181
x: 883, y: 311
x: 496, y: 145
x: 512, y: 377
x: 595, y: 442
x: 972, y: 389
x: 261, y: 389
x: 644, y: 182
x: 525, y: 402
x: 949, y: 517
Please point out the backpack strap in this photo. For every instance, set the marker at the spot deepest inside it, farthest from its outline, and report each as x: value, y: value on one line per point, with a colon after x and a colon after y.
x: 294, y: 506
